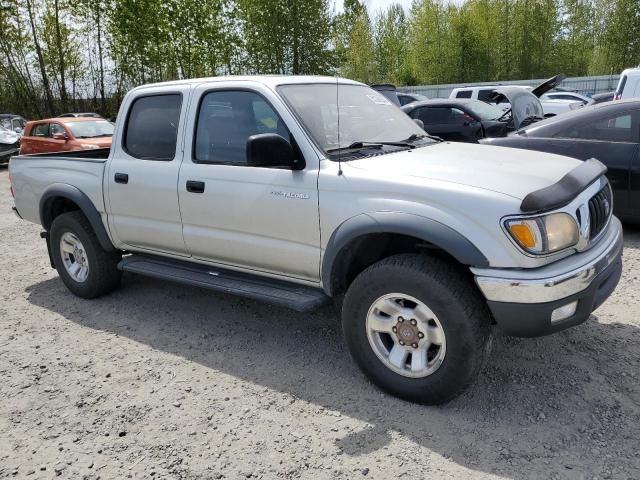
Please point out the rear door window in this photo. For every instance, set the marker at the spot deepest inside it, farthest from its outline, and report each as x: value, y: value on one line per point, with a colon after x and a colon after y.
x: 485, y: 95
x: 464, y: 94
x: 434, y: 115
x: 620, y: 127
x: 151, y: 130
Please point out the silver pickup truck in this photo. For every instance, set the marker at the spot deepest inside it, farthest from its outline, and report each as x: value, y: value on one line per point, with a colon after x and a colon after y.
x: 305, y: 190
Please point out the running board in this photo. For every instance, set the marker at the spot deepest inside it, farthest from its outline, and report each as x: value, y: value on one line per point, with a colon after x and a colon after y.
x: 278, y: 292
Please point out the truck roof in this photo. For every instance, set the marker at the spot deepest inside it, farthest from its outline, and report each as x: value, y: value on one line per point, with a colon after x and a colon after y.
x: 271, y: 81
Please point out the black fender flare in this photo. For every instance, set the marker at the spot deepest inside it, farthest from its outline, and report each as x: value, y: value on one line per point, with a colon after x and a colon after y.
x: 431, y: 231
x: 74, y: 194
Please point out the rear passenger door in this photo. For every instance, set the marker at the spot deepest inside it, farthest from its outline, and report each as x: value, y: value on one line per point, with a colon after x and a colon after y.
x: 251, y: 218
x: 142, y: 175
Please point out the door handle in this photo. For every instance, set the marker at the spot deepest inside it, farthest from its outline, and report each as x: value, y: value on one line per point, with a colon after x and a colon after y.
x: 121, y: 178
x: 194, y: 186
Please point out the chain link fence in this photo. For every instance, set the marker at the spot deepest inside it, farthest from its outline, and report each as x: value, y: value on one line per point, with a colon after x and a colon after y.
x: 585, y: 85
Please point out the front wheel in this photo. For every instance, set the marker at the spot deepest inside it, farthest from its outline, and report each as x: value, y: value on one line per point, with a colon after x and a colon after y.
x: 84, y: 266
x: 417, y: 327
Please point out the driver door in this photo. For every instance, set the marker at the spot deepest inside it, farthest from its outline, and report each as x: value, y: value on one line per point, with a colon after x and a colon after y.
x: 251, y: 218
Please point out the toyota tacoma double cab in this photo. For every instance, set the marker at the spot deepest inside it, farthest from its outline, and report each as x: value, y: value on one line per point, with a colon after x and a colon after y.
x: 304, y: 191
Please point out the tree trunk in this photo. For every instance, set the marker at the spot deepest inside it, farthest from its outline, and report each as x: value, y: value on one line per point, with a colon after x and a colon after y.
x: 103, y: 102
x: 43, y: 70
x: 61, y: 64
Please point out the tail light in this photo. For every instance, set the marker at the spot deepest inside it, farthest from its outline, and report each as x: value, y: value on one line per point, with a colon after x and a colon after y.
x: 469, y: 118
x: 617, y: 96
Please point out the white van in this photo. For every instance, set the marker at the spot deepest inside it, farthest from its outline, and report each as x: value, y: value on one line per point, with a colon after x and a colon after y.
x: 628, y: 85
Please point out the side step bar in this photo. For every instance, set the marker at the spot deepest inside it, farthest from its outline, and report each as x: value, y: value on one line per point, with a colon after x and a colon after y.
x: 294, y: 296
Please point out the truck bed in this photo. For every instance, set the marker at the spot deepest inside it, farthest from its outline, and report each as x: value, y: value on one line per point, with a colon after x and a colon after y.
x: 32, y: 175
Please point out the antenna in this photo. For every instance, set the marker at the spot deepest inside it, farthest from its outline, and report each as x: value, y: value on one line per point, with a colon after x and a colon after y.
x: 338, y: 114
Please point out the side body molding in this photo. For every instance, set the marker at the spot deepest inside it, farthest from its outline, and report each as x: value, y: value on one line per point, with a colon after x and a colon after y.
x: 87, y: 207
x: 431, y: 231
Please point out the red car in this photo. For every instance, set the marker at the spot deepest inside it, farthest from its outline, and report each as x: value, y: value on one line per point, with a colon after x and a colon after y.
x: 65, y: 134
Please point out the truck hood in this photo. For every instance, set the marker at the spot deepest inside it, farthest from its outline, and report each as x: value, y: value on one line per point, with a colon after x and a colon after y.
x: 510, y: 171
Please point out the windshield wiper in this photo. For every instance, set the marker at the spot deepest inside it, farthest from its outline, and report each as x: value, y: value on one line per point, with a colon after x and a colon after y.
x: 362, y: 145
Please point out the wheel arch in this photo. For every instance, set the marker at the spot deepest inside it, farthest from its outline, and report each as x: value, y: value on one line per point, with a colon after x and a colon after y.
x: 405, y: 231
x: 61, y: 198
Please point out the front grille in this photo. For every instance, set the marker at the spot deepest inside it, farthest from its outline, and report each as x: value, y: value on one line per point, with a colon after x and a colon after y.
x: 600, y: 209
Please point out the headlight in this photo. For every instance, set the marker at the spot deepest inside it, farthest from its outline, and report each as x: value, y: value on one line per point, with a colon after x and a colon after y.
x: 544, y: 234
x: 89, y: 146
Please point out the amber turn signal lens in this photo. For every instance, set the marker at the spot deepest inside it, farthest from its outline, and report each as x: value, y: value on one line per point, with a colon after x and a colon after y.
x: 523, y: 234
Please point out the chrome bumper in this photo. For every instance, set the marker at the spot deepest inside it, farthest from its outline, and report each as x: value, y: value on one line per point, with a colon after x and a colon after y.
x: 559, y: 280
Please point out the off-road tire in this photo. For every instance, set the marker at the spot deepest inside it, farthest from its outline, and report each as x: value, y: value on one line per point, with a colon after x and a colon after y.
x: 103, y: 276
x: 451, y: 294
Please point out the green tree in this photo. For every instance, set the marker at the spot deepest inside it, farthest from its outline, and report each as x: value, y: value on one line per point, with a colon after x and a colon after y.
x: 287, y: 36
x: 359, y: 62
x: 390, y: 39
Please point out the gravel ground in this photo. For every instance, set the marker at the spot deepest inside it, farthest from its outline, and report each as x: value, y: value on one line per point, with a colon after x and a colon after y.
x: 163, y: 381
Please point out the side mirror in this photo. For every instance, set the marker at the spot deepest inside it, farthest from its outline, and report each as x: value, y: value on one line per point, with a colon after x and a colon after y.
x: 419, y: 122
x: 59, y: 136
x: 271, y: 150
x: 18, y: 130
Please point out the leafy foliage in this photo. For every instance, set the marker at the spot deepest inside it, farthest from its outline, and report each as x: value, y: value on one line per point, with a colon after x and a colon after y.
x: 85, y: 54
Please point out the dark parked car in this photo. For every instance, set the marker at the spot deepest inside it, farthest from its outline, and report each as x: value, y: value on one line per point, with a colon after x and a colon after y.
x: 389, y: 91
x: 398, y: 98
x: 408, y: 97
x: 460, y: 120
x: 602, y: 97
x: 607, y: 131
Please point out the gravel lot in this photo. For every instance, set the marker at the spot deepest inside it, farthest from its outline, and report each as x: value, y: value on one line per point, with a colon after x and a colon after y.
x: 164, y: 381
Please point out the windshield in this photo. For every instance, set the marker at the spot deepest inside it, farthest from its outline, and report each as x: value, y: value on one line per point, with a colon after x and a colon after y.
x: 484, y: 111
x: 91, y: 129
x: 365, y: 115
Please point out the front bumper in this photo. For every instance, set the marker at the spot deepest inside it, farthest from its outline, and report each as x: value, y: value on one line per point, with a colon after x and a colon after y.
x: 522, y: 301
x: 5, y: 155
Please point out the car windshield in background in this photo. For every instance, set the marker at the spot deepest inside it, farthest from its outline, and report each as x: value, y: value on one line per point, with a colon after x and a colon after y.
x: 91, y: 129
x: 484, y: 111
x: 366, y: 116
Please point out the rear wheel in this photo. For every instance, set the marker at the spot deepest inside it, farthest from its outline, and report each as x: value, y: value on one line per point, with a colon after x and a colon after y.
x: 83, y: 265
x: 417, y: 327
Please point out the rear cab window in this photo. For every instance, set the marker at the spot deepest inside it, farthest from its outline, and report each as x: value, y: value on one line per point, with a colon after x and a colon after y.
x: 40, y: 130
x: 151, y: 128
